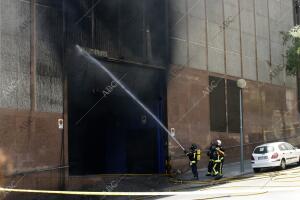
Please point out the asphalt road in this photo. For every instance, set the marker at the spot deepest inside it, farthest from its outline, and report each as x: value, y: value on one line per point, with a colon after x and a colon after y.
x: 270, y: 185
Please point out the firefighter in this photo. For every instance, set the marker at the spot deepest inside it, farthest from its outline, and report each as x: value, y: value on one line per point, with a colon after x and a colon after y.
x: 194, y: 156
x: 210, y: 154
x: 218, y: 160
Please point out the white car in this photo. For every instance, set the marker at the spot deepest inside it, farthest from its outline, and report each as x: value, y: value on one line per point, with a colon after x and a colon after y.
x: 277, y: 154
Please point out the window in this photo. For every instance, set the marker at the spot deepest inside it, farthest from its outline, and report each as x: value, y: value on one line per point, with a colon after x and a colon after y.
x: 297, y: 22
x: 282, y: 147
x: 263, y: 149
x: 233, y: 106
x: 296, y: 12
x: 298, y: 89
x: 288, y: 146
x: 217, y: 104
x: 224, y: 117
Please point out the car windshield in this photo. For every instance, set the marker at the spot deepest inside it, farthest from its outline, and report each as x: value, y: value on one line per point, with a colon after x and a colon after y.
x: 263, y: 149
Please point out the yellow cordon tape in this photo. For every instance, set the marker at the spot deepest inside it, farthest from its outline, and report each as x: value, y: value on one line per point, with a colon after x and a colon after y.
x: 88, y: 193
x: 209, y: 191
x: 203, y: 192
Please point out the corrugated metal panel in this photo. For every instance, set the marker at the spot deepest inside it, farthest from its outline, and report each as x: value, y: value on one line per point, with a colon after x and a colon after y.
x: 14, y: 54
x: 49, y: 59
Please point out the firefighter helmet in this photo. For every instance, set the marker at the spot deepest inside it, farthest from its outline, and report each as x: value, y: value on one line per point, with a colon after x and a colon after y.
x: 194, y: 146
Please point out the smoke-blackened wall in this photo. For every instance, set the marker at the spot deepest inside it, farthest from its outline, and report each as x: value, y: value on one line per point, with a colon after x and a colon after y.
x: 134, y: 34
x: 132, y: 30
x: 49, y: 57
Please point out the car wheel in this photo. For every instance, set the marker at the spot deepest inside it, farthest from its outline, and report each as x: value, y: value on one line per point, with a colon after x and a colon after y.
x: 282, y: 164
x: 256, y: 170
x: 299, y: 161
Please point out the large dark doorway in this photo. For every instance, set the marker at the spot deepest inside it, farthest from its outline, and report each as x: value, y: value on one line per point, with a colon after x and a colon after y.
x: 115, y: 135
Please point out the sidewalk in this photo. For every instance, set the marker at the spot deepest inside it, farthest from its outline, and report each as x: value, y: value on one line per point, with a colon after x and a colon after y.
x: 229, y: 170
x: 158, y: 183
x: 166, y: 183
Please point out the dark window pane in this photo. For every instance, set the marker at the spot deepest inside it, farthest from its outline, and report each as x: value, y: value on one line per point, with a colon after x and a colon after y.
x: 233, y: 107
x: 282, y: 147
x: 217, y: 104
x: 298, y: 88
x: 296, y: 12
x: 288, y: 146
x: 263, y: 149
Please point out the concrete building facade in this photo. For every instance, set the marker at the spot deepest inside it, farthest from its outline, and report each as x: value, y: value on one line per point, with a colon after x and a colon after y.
x: 230, y: 39
x: 192, y: 51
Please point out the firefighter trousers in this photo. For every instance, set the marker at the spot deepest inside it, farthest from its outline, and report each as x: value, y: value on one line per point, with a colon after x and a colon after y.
x: 210, y: 166
x: 194, y: 169
x: 217, y: 169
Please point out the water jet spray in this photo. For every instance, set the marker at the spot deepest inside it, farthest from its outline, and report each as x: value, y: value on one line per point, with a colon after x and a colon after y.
x: 99, y: 64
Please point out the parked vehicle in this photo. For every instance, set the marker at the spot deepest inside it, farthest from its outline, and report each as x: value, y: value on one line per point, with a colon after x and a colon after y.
x: 277, y: 154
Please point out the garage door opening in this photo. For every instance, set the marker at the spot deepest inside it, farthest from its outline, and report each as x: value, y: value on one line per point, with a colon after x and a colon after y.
x: 108, y: 132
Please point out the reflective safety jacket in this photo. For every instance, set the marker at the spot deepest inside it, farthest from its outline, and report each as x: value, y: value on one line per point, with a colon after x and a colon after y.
x: 218, y: 154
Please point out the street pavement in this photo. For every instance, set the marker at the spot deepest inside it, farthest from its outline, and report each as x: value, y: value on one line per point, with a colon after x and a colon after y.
x: 185, y: 181
x: 269, y: 185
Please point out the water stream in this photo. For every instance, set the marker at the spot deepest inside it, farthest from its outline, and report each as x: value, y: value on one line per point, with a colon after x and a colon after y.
x: 99, y: 64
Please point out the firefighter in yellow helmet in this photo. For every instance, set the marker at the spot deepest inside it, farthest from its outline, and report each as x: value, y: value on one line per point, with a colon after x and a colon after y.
x: 218, y: 160
x: 194, y: 157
